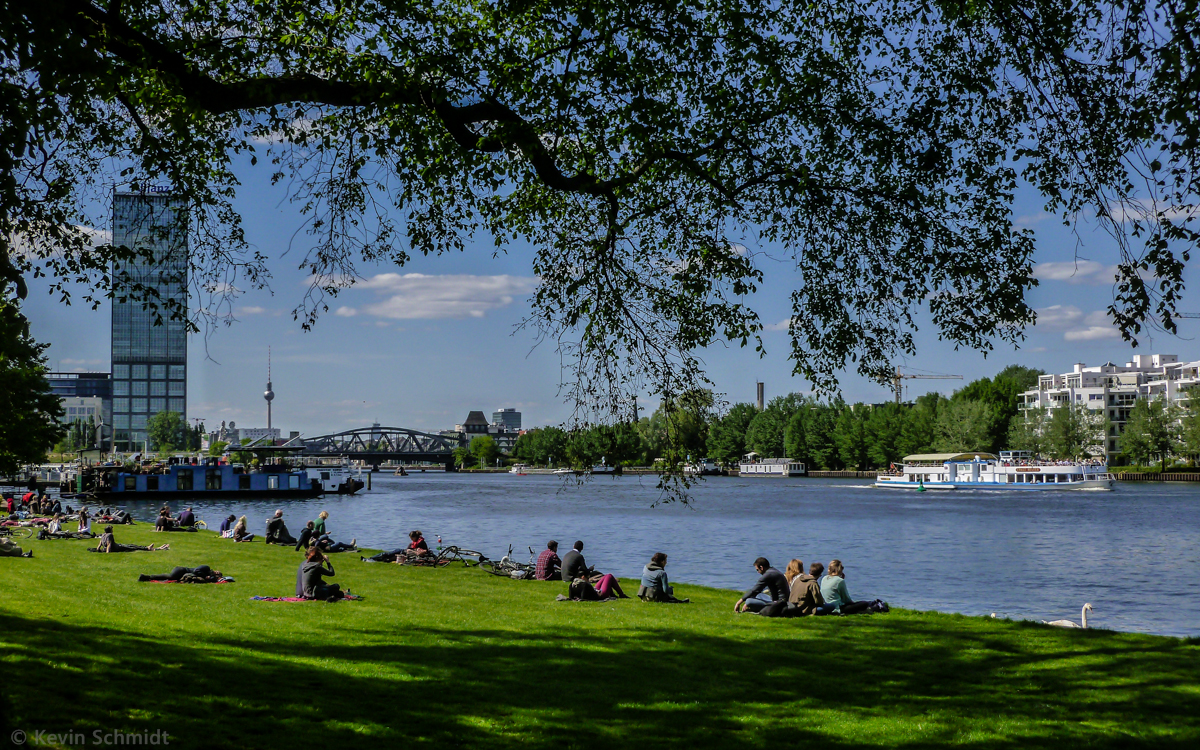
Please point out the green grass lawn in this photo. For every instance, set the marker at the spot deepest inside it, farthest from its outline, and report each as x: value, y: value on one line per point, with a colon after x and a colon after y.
x: 457, y: 658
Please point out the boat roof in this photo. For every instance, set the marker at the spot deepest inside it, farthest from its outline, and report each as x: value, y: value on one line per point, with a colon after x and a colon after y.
x: 970, y: 456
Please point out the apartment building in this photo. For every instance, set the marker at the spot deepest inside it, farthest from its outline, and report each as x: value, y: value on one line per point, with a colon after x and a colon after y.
x: 1114, y: 388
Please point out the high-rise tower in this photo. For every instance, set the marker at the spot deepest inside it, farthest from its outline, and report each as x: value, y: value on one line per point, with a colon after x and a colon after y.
x: 269, y: 394
x: 149, y: 346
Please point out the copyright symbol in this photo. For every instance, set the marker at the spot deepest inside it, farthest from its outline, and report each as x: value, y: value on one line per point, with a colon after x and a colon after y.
x: 18, y: 737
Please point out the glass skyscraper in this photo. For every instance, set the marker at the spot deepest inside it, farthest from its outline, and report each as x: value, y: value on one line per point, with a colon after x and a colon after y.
x: 149, y: 358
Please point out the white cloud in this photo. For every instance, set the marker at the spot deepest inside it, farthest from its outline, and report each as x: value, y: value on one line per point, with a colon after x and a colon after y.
x: 1147, y: 211
x: 1029, y: 220
x: 1058, y: 316
x: 1092, y: 333
x: 346, y: 312
x: 415, y: 295
x: 251, y: 310
x: 782, y: 325
x: 1076, y: 272
x: 1075, y: 325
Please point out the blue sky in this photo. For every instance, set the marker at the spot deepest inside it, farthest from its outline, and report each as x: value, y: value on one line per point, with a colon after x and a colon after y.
x: 420, y: 346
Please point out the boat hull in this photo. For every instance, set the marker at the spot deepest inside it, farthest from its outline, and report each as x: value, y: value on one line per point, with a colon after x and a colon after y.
x: 199, y: 494
x: 1087, y: 484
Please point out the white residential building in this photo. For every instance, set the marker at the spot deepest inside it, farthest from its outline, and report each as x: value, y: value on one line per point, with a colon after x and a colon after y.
x: 82, y: 408
x: 1115, y: 388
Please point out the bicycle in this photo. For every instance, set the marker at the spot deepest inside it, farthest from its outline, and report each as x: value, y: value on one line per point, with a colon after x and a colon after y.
x: 510, y: 568
x: 17, y: 532
x: 454, y: 553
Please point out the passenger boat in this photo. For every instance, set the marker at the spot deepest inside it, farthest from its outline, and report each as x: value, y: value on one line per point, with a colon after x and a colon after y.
x: 1011, y: 470
x: 753, y: 466
x: 519, y: 469
x: 702, y: 467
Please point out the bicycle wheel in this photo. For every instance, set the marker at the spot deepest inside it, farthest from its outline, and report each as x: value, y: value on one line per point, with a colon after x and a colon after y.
x: 22, y: 532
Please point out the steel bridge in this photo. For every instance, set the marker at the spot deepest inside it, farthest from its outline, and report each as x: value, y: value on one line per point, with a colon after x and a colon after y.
x: 374, y: 445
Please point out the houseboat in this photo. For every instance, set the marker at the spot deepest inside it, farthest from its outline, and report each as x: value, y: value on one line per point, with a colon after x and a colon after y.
x: 1011, y: 470
x: 753, y: 466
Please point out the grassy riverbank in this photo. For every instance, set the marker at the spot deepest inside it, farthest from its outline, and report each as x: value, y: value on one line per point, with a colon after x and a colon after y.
x: 456, y: 658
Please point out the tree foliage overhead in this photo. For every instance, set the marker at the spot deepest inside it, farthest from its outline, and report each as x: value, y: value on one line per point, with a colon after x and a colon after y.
x: 29, y: 411
x: 639, y: 147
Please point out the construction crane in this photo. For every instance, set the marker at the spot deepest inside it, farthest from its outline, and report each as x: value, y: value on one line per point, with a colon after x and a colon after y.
x: 899, y: 378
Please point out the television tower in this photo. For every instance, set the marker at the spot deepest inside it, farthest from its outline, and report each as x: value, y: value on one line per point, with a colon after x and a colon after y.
x: 269, y: 394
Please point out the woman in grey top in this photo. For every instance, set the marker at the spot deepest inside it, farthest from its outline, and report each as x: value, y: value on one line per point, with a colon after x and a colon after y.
x: 655, y: 586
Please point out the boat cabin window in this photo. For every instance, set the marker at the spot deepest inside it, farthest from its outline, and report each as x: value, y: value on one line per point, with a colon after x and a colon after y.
x: 212, y: 479
x: 244, y: 482
x: 293, y: 482
x: 183, y: 480
x: 152, y: 483
x: 273, y: 482
x: 325, y: 476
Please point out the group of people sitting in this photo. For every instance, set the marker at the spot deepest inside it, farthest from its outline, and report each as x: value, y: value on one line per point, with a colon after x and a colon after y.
x: 33, y: 503
x: 236, y: 531
x: 417, y: 550
x: 795, y: 593
x: 314, y: 533
x: 166, y: 522
x: 584, y: 582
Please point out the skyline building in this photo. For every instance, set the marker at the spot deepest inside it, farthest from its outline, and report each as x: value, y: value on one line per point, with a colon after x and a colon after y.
x: 149, y: 347
x: 509, y: 418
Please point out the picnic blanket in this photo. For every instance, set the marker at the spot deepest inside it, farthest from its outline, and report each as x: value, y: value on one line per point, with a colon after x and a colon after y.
x: 350, y: 597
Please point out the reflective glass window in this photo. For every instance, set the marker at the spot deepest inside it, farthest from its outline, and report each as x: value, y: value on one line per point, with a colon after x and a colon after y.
x: 120, y: 387
x: 158, y: 387
x: 120, y: 421
x: 120, y: 404
x: 139, y: 387
x: 139, y: 371
x: 178, y: 388
x: 139, y: 405
x: 157, y: 405
x: 178, y: 372
x: 158, y: 372
x: 120, y: 371
x: 177, y: 404
x: 137, y: 422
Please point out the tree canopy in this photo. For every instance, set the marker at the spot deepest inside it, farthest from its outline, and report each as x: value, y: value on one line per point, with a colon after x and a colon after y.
x: 645, y: 151
x: 28, y: 410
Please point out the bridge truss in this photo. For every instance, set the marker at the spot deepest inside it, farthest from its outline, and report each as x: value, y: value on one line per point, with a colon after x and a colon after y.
x: 377, y: 444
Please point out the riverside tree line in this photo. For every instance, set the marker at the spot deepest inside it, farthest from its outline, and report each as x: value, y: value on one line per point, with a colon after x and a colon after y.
x: 986, y: 415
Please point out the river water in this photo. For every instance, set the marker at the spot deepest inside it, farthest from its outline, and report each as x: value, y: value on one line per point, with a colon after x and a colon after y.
x: 1133, y: 553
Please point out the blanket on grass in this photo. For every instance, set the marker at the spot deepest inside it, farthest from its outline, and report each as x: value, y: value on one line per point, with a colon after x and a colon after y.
x: 350, y: 597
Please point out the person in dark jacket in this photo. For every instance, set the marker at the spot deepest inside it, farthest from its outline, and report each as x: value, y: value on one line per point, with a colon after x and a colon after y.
x: 768, y: 579
x: 574, y: 566
x: 227, y: 524
x: 199, y: 574
x: 187, y: 518
x: 277, y: 532
x: 308, y: 533
x: 310, y: 579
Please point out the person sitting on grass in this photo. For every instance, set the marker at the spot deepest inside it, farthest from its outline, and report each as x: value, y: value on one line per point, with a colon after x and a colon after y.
x: 199, y: 574
x: 416, y: 547
x: 85, y: 523
x: 593, y: 587
x: 108, y: 543
x: 319, y: 524
x: 311, y: 535
x: 227, y: 525
x: 549, y: 566
x: 164, y: 522
x: 9, y: 548
x: 187, y: 518
x: 277, y: 532
x: 805, y: 598
x: 310, y: 583
x: 306, y: 535
x: 240, y: 532
x: 574, y: 566
x: 768, y: 579
x: 655, y: 586
x: 837, y: 597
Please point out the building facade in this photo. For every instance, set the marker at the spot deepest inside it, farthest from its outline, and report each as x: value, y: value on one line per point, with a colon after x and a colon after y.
x: 1113, y: 389
x: 510, y: 419
x: 149, y: 347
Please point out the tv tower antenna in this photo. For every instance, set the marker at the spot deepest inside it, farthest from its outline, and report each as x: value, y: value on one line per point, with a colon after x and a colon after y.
x: 269, y: 394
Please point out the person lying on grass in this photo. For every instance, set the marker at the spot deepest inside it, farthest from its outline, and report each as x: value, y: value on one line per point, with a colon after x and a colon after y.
x: 655, y: 586
x: 198, y: 574
x: 592, y: 587
x: 768, y: 579
x: 108, y: 543
x: 310, y: 583
x: 310, y: 536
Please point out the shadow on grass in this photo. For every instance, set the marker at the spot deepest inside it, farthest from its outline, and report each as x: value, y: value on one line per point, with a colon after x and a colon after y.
x: 889, y: 685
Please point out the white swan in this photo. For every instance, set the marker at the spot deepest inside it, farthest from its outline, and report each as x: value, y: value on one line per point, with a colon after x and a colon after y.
x: 1071, y: 623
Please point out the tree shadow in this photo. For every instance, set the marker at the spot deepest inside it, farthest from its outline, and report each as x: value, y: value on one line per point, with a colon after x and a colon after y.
x: 574, y: 687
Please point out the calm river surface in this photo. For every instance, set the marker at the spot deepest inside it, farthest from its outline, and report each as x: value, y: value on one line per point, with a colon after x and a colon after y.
x: 1134, y: 553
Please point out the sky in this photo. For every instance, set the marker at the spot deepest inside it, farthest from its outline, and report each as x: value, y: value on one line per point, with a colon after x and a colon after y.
x: 421, y: 346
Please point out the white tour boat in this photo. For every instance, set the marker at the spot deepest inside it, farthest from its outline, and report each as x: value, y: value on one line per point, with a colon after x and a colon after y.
x: 753, y: 466
x: 1012, y: 470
